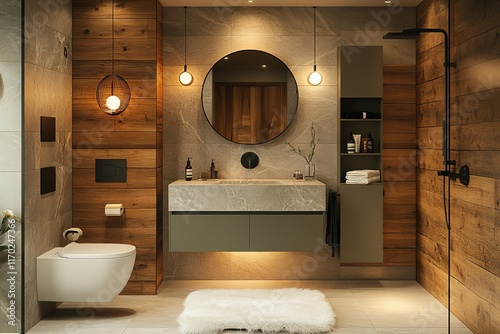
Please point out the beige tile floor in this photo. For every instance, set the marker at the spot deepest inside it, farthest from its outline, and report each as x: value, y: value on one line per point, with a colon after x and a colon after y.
x: 361, y: 307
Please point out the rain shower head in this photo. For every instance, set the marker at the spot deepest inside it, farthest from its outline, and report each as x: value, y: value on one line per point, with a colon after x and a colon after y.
x: 399, y: 35
x: 405, y: 34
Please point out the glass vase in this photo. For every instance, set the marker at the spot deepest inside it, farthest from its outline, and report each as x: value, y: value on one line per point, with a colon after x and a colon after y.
x: 309, y: 171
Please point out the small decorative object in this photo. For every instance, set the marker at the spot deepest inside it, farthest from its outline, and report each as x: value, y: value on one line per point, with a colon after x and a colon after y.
x: 203, y: 176
x: 351, y: 144
x: 188, y: 171
x: 357, y: 142
x: 8, y: 223
x: 309, y: 170
x: 370, y: 147
x: 298, y: 175
x: 364, y: 145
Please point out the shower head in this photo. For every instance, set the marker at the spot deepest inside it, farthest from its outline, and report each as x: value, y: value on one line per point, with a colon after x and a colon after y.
x: 398, y: 35
x: 405, y: 34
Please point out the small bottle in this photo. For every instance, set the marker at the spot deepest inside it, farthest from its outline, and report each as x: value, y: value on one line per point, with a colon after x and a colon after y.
x: 370, y: 147
x: 189, y: 171
x: 212, y: 170
x: 351, y: 144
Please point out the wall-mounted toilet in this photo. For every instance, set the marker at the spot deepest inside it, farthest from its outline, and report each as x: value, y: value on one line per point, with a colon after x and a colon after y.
x: 84, y: 272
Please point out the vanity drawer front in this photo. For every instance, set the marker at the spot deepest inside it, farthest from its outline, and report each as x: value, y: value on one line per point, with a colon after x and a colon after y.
x: 294, y: 232
x: 207, y: 232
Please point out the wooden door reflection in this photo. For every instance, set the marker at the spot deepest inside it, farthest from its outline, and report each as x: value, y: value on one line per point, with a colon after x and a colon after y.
x: 250, y: 113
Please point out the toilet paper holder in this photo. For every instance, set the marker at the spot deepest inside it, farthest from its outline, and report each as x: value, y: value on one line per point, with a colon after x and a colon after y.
x: 72, y: 234
x: 114, y: 209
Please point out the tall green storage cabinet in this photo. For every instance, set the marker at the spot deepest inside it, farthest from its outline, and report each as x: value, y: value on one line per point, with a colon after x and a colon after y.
x: 360, y: 90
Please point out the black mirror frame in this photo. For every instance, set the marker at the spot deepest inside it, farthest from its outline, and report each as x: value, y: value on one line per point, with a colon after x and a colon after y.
x: 296, y: 90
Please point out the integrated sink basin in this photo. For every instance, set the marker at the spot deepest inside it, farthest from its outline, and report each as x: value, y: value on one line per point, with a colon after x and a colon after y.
x: 247, y: 195
x: 249, y: 182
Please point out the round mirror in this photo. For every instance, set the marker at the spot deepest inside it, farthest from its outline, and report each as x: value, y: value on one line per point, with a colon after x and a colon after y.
x: 250, y: 97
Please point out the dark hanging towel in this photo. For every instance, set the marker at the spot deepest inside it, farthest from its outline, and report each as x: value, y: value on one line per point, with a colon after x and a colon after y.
x: 333, y: 221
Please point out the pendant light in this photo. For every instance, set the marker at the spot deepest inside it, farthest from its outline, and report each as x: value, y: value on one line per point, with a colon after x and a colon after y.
x: 113, y: 92
x: 185, y: 77
x: 314, y: 78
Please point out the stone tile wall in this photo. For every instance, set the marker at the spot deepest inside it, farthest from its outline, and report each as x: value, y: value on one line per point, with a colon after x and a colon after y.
x: 10, y: 106
x: 10, y: 151
x: 48, y: 92
x: 286, y: 33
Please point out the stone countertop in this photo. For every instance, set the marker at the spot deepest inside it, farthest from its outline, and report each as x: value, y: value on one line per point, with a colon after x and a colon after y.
x: 247, y: 195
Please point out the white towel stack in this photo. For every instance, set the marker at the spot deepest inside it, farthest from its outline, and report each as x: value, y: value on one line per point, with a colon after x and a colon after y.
x: 362, y: 176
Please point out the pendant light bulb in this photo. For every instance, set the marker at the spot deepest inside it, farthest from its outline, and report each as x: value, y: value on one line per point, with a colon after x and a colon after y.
x: 185, y: 77
x: 113, y: 103
x: 314, y: 77
x: 113, y: 92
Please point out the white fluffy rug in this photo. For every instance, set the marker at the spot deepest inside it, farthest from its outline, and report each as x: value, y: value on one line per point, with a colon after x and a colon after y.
x: 269, y: 310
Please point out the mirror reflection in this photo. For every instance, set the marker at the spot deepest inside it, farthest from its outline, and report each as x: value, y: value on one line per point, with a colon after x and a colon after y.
x: 250, y: 97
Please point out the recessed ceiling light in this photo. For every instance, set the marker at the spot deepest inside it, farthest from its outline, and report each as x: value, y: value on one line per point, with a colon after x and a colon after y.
x: 264, y: 65
x: 250, y: 1
x: 388, y: 1
x: 226, y: 58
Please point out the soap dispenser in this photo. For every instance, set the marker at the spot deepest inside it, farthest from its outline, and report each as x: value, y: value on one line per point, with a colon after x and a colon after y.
x: 212, y: 170
x: 189, y: 171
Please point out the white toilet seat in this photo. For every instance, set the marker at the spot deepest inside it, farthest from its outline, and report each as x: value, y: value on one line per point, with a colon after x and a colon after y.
x: 96, y: 251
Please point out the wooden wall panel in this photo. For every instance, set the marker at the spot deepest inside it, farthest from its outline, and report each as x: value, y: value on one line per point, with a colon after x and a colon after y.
x: 98, y: 198
x: 136, y: 178
x: 133, y: 135
x: 475, y: 215
x: 84, y: 28
x: 97, y: 49
x: 399, y: 165
x: 119, y: 139
x: 141, y: 115
x: 88, y: 69
x: 139, y: 88
x: 133, y: 9
x: 137, y: 218
x: 136, y: 158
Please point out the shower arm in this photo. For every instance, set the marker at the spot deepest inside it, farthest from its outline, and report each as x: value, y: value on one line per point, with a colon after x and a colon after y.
x: 449, y: 165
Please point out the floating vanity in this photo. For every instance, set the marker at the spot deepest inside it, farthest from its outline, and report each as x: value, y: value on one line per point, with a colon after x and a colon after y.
x: 246, y: 215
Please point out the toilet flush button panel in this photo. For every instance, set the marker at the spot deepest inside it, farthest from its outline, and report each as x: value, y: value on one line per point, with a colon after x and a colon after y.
x: 110, y: 170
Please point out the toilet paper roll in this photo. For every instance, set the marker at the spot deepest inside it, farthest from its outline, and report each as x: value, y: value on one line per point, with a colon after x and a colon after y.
x: 113, y: 209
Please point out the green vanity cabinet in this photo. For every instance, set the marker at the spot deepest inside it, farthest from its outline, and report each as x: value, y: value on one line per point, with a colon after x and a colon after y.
x: 208, y: 232
x: 300, y: 233
x: 246, y: 231
x: 361, y: 230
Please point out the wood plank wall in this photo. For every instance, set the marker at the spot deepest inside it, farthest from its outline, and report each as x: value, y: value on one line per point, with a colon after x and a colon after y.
x: 399, y: 165
x: 475, y: 215
x: 135, y: 135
